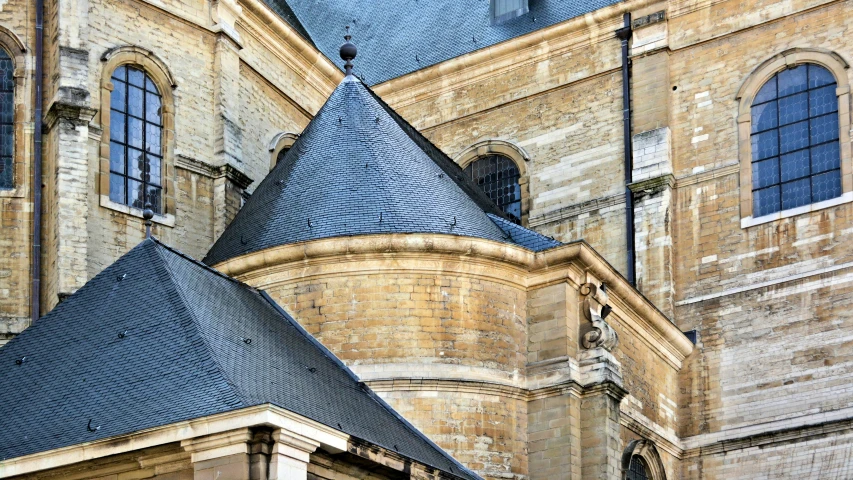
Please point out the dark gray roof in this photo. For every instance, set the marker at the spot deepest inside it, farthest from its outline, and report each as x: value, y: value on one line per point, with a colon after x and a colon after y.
x: 183, y: 356
x: 396, y: 37
x: 358, y: 169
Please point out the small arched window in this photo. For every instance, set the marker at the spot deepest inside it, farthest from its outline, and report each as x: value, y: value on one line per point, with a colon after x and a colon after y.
x: 498, y: 176
x: 7, y: 120
x: 136, y: 139
x: 637, y: 469
x: 795, y: 140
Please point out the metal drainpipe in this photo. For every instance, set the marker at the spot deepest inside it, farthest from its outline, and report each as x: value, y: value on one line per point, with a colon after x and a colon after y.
x: 624, y: 34
x: 37, y: 159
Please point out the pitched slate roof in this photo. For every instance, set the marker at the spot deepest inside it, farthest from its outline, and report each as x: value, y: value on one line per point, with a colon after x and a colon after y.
x: 398, y: 37
x: 357, y: 169
x: 183, y: 355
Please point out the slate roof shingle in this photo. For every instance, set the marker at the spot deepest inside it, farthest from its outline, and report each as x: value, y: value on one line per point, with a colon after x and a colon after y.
x: 182, y: 357
x: 357, y: 169
x: 398, y: 37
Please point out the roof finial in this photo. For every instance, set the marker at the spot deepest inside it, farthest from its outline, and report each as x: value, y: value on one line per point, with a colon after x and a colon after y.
x: 148, y: 214
x: 348, y: 52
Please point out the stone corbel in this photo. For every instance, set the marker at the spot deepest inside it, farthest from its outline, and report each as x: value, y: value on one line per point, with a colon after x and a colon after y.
x: 602, y: 335
x: 291, y: 455
x: 225, y: 14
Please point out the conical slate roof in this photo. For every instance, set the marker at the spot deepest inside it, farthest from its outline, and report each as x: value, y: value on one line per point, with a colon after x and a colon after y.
x: 158, y: 338
x: 357, y: 169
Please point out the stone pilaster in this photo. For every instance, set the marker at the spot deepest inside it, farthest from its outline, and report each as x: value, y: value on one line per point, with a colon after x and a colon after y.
x: 290, y: 455
x: 653, y: 209
x: 222, y: 455
x: 229, y: 186
x: 601, y: 444
x: 66, y: 206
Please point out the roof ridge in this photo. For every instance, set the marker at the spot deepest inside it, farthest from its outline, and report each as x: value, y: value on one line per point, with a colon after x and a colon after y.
x: 376, y: 398
x: 195, y: 323
x: 200, y: 264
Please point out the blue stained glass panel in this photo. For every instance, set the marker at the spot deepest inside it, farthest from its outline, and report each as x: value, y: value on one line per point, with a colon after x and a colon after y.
x: 794, y: 137
x: 824, y: 129
x: 792, y: 80
x: 118, y: 97
x: 120, y: 73
x: 765, y: 201
x: 796, y: 194
x: 117, y: 193
x: 136, y: 77
x: 767, y: 92
x: 134, y: 101
x: 819, y: 76
x: 765, y: 117
x: 822, y: 101
x: 795, y: 165
x: 765, y: 145
x: 7, y: 107
x: 152, y: 109
x: 117, y: 160
x: 794, y: 108
x: 135, y: 163
x: 765, y: 173
x: 152, y: 138
x: 826, y: 186
x: 117, y: 126
x: 825, y: 157
x: 7, y: 121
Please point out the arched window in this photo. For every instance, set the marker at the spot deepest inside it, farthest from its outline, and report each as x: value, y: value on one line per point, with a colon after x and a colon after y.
x: 136, y: 145
x: 7, y: 120
x: 637, y: 469
x: 795, y: 150
x: 280, y: 145
x: 498, y: 176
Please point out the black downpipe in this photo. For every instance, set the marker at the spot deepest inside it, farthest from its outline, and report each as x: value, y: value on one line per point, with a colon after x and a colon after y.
x: 37, y: 159
x: 624, y: 34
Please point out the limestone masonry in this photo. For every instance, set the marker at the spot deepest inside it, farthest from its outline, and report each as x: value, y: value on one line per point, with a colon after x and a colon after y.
x: 526, y: 352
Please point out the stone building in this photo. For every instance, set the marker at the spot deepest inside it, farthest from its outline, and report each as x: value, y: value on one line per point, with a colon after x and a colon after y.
x: 717, y: 204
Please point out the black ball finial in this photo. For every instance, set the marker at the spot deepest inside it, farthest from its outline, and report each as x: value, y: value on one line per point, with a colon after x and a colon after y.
x: 148, y: 214
x: 348, y: 52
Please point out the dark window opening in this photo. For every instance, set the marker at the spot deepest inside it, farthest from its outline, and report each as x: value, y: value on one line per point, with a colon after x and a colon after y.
x: 7, y: 121
x: 281, y: 154
x: 136, y: 145
x: 498, y: 176
x: 796, y: 157
x: 502, y: 11
x: 637, y: 469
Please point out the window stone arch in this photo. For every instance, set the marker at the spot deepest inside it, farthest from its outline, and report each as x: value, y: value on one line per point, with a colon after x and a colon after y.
x: 13, y: 184
x: 505, y: 149
x: 746, y: 96
x: 279, y: 144
x: 646, y: 451
x: 157, y: 71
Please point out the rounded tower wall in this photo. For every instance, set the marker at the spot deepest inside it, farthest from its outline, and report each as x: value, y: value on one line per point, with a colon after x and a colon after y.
x: 441, y: 336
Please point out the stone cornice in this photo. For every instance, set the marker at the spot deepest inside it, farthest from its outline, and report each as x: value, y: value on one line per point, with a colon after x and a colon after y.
x: 652, y: 185
x: 238, y: 178
x: 77, y: 114
x: 498, y: 261
x: 318, y: 70
x: 453, y: 74
x: 269, y: 415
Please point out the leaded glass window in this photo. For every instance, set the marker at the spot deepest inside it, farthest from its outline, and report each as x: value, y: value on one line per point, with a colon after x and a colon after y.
x: 498, y: 176
x: 795, y: 151
x: 136, y: 131
x: 7, y: 120
x: 505, y: 10
x: 637, y: 469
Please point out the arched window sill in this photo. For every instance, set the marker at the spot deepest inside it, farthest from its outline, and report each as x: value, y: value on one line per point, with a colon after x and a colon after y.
x: 751, y: 222
x: 166, y: 220
x: 18, y: 192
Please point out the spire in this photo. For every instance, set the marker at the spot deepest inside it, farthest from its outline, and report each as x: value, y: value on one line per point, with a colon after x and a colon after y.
x: 348, y: 52
x: 147, y: 214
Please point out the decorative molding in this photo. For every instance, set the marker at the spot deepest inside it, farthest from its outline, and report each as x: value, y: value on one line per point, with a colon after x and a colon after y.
x: 260, y: 415
x: 646, y: 450
x: 577, y: 209
x: 652, y: 185
x: 75, y: 114
x: 701, y: 177
x: 238, y: 178
x: 127, y: 54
